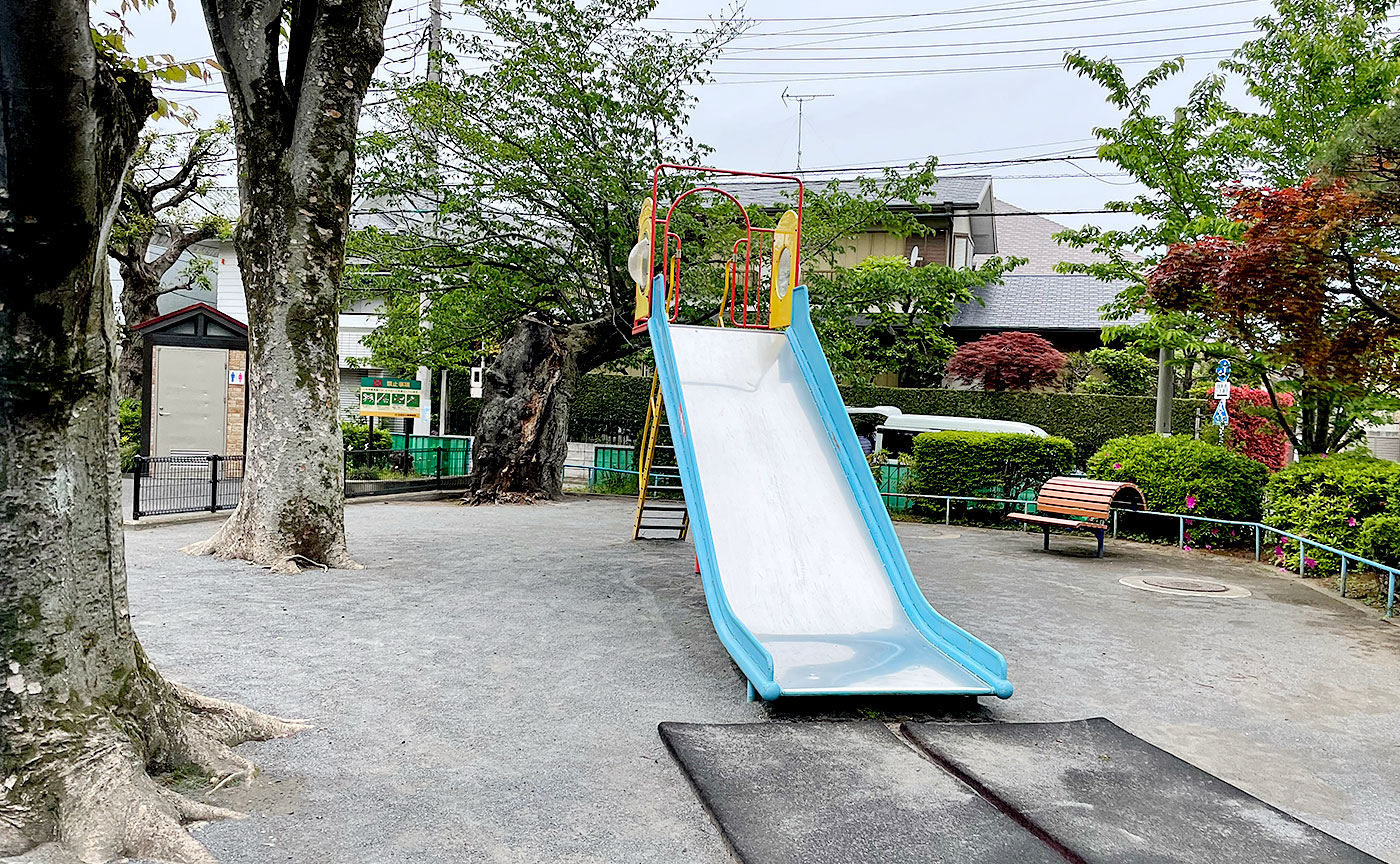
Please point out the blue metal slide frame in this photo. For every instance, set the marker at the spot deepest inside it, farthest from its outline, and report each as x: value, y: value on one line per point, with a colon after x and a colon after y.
x: 753, y: 659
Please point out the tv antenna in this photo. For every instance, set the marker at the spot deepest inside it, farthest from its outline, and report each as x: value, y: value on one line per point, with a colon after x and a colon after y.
x: 800, y: 99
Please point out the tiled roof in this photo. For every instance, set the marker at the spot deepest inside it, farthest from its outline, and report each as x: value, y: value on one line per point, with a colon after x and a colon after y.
x: 1032, y: 237
x: 1040, y: 302
x: 959, y: 192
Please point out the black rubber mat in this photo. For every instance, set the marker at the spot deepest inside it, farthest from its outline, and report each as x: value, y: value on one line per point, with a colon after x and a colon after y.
x: 1108, y: 796
x: 841, y: 793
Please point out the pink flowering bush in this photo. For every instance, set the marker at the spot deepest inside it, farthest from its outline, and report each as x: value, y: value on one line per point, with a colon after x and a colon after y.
x: 1331, y: 501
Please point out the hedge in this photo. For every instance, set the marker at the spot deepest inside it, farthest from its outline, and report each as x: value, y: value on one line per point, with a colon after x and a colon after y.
x: 1331, y: 499
x: 1179, y: 474
x: 993, y: 464
x: 1088, y: 420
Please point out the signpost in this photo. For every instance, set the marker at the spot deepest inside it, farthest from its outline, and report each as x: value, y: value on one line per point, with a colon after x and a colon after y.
x: 390, y: 397
x: 1221, y: 417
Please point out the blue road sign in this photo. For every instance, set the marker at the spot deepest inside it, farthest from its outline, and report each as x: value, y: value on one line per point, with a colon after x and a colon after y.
x: 1222, y: 370
x: 1221, y: 416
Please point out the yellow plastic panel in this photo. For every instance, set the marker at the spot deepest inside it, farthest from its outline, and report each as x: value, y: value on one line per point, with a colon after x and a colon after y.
x: 784, y: 271
x: 638, y: 260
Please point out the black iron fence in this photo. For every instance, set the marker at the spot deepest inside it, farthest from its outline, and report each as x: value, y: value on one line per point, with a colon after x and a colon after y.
x: 162, y: 485
x: 185, y: 484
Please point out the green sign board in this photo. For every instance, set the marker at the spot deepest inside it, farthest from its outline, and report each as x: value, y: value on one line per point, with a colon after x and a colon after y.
x: 390, y: 397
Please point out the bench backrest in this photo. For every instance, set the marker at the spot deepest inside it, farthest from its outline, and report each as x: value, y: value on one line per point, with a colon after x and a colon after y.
x: 1076, y: 496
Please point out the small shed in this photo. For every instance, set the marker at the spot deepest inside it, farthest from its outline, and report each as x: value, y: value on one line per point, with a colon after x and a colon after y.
x: 194, y: 395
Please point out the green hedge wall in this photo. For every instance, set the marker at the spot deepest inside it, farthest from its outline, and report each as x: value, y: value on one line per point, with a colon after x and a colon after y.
x: 995, y: 464
x: 1086, y: 420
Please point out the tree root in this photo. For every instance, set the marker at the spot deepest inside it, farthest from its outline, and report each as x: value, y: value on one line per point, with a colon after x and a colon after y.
x: 105, y: 805
x: 235, y: 541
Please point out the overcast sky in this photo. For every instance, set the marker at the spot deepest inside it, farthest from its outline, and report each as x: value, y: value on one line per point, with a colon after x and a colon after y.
x: 907, y: 80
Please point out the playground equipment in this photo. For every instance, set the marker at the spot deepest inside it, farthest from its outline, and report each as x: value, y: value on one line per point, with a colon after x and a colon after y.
x: 806, y: 582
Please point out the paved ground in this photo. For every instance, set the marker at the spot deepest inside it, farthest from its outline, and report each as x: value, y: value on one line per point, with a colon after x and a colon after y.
x: 488, y: 688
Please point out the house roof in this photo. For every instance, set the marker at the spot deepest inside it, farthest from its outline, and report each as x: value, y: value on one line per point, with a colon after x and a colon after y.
x: 958, y: 193
x: 1039, y: 302
x: 1032, y: 237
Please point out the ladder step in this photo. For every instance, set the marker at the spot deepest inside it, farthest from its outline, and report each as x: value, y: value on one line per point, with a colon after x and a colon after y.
x: 650, y: 507
x: 646, y: 527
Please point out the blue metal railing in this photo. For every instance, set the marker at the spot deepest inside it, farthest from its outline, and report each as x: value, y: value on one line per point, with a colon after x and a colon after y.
x: 1348, y: 559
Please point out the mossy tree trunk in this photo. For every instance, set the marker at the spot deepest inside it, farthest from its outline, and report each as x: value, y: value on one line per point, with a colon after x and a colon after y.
x: 84, y: 717
x: 295, y: 136
x: 522, y: 432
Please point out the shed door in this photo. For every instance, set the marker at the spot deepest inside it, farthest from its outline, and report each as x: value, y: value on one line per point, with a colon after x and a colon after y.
x: 191, y: 384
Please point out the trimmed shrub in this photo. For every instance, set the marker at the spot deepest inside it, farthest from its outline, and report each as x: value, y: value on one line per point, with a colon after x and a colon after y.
x: 128, y: 432
x: 357, y: 437
x: 1329, y: 499
x: 1087, y: 420
x: 1125, y: 373
x: 992, y: 464
x: 1380, y: 540
x: 1178, y: 474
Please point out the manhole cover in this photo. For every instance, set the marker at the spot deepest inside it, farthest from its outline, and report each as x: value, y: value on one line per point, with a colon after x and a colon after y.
x: 1195, y: 586
x: 1180, y: 587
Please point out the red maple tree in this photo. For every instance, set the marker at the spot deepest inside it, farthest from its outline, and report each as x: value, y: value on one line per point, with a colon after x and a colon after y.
x: 1253, y: 434
x: 1310, y: 296
x: 1007, y: 361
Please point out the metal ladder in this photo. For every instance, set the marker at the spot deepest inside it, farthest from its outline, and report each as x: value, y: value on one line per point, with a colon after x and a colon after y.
x: 658, y: 474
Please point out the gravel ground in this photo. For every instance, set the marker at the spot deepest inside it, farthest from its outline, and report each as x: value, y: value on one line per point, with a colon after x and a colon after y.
x: 488, y: 688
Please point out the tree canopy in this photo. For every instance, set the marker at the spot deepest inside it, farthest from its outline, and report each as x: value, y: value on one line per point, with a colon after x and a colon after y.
x: 1309, y: 296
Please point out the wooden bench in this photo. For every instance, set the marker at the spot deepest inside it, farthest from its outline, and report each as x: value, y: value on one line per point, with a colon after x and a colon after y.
x: 1069, y: 497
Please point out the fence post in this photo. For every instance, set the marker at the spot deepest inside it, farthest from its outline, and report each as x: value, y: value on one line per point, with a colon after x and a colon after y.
x: 1390, y: 600
x: 1115, y: 524
x: 1181, y: 532
x: 213, y: 484
x: 1256, y: 541
x: 439, y: 465
x: 137, y: 466
x: 947, y: 511
x: 1343, y: 585
x: 1302, y: 557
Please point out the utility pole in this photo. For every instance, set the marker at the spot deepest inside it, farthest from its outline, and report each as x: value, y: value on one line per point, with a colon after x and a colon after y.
x: 434, y: 41
x: 425, y: 375
x: 801, y: 98
x: 1166, y: 389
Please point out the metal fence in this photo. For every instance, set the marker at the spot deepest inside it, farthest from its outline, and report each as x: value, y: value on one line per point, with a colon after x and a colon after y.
x: 408, y: 463
x: 185, y: 484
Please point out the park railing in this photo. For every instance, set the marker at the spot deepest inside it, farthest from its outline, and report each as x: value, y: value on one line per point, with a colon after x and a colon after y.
x: 185, y: 484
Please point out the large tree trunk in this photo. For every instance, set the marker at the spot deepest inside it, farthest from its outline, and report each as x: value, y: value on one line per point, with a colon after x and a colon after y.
x: 522, y: 431
x: 83, y: 715
x: 296, y: 143
x: 140, y: 293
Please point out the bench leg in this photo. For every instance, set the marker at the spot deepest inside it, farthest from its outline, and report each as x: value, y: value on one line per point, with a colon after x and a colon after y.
x: 1047, y: 538
x: 1099, y: 554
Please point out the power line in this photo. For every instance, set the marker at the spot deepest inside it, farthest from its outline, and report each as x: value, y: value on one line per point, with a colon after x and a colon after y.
x: 782, y: 48
x: 804, y: 77
x: 1060, y: 48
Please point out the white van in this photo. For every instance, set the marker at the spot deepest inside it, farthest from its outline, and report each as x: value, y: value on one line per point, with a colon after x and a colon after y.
x: 896, y: 431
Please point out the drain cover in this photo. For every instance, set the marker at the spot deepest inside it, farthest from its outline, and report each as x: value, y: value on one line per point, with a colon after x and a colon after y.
x: 1195, y: 586
x: 1182, y: 587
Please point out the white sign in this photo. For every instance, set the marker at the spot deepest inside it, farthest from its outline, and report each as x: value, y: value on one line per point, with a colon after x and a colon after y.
x: 1222, y: 389
x: 235, y: 376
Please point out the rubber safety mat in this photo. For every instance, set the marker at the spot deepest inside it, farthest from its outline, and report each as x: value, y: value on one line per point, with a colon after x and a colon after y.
x: 1084, y: 791
x: 1106, y: 795
x: 840, y: 793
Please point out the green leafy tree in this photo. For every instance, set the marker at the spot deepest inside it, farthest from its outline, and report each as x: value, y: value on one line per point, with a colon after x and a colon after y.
x: 498, y: 234
x: 1310, y: 296
x: 161, y: 203
x: 1316, y: 67
x: 884, y: 316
